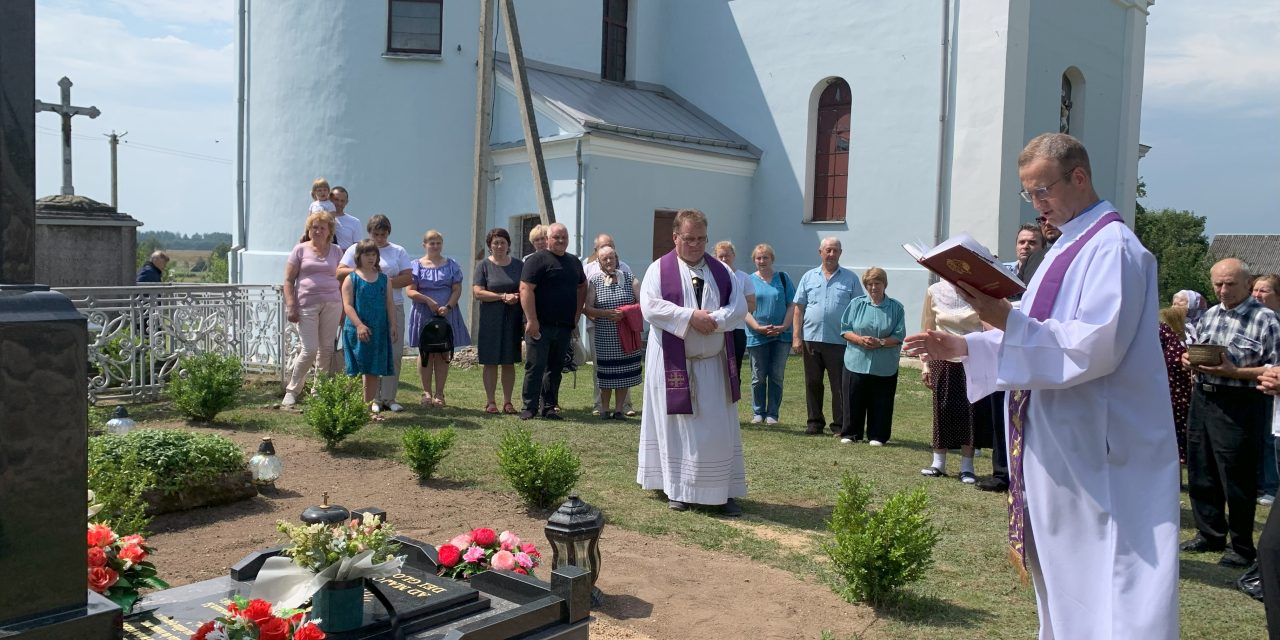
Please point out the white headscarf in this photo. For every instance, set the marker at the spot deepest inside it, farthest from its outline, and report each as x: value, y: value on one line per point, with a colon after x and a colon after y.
x: 1195, y: 304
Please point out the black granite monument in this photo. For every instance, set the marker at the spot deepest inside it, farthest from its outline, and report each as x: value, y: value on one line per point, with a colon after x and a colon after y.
x: 43, y: 408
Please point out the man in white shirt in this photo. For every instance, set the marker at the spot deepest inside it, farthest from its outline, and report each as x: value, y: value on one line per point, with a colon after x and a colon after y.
x: 348, y: 229
x: 592, y: 269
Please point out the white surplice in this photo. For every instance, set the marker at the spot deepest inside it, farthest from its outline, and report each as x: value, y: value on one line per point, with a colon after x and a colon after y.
x: 1100, y: 461
x: 692, y: 458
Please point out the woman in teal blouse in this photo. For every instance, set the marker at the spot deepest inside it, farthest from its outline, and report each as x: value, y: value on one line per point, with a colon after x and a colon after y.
x: 873, y: 327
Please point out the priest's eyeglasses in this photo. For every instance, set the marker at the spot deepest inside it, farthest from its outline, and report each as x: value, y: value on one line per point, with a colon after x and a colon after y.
x: 1040, y: 193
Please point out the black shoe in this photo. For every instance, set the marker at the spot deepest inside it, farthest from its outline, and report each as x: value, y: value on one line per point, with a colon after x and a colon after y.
x: 992, y: 484
x: 1199, y: 544
x: 1233, y: 559
x: 813, y: 431
x: 835, y: 430
x: 618, y: 415
x: 676, y: 505
x: 526, y: 415
x: 731, y: 509
x: 551, y: 415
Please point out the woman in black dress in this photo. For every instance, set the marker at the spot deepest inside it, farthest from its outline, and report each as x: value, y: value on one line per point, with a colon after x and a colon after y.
x: 496, y: 284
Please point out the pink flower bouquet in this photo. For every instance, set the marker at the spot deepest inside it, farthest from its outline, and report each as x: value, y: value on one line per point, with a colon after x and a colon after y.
x: 483, y: 549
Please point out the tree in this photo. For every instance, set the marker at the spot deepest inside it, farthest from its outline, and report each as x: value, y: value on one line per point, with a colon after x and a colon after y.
x: 218, y: 263
x: 1178, y: 241
x: 146, y: 248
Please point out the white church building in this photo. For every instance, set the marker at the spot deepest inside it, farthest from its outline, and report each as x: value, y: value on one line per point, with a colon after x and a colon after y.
x: 875, y: 122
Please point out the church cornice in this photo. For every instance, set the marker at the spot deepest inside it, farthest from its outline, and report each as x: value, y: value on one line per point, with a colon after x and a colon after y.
x: 1139, y: 5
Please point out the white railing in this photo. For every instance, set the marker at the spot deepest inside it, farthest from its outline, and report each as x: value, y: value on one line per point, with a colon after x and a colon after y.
x: 138, y: 334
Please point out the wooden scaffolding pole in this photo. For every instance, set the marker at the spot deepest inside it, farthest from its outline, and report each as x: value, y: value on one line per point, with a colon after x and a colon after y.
x: 531, y: 139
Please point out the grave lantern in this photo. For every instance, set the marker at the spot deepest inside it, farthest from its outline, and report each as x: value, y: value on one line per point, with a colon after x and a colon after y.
x: 265, y: 466
x: 574, y: 533
x: 120, y: 422
x: 325, y: 513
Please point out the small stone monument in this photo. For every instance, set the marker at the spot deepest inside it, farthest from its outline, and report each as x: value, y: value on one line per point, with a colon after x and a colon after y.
x: 81, y: 242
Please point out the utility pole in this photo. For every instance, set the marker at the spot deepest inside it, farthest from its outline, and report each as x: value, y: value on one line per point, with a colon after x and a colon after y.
x: 114, y: 141
x: 532, y: 141
x: 484, y: 124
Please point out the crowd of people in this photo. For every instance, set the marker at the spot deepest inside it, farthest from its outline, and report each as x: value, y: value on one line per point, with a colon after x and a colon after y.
x: 1057, y: 381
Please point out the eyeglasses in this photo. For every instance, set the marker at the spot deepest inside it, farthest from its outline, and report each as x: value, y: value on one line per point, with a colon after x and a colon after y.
x: 692, y: 239
x: 1040, y: 193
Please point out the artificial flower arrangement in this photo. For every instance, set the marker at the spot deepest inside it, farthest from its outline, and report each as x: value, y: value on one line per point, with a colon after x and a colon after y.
x: 255, y: 620
x: 482, y: 549
x: 118, y: 566
x: 322, y: 553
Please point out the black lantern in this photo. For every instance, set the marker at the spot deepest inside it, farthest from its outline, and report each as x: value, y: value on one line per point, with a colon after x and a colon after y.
x: 574, y: 533
x: 120, y: 422
x: 265, y: 467
x: 326, y: 513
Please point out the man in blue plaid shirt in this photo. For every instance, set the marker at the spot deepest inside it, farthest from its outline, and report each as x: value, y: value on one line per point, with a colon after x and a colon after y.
x: 1228, y: 417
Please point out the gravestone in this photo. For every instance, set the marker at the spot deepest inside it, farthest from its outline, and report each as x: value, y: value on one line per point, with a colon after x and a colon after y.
x: 75, y: 231
x: 43, y: 409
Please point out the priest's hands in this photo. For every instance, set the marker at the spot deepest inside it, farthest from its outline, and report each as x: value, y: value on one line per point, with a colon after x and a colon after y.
x: 702, y: 322
x: 993, y: 311
x: 936, y: 345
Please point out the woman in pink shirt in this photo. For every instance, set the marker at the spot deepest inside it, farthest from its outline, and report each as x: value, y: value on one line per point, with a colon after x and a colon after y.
x: 313, y: 299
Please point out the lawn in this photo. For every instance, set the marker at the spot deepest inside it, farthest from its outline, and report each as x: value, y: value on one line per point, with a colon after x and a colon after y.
x: 971, y: 592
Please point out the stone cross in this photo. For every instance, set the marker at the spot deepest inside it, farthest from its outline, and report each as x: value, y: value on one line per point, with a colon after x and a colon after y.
x: 66, y: 111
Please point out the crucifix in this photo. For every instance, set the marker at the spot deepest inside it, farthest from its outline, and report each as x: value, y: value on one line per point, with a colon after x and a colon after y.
x: 65, y: 110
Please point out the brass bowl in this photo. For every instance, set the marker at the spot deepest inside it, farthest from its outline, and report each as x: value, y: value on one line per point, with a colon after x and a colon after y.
x: 1207, y: 355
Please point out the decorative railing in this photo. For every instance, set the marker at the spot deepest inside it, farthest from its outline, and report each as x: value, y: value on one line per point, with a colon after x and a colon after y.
x: 139, y: 334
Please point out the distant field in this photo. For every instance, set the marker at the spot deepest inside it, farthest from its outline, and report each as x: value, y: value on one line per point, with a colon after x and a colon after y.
x: 181, y: 262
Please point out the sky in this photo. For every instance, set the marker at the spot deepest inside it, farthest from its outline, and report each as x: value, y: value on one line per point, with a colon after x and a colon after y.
x: 164, y: 71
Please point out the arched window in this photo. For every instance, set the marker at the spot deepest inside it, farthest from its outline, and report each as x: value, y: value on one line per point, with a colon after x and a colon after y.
x: 831, y: 153
x: 1064, y: 105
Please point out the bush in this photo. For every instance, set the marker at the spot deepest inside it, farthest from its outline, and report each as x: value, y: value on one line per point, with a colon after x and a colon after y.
x: 121, y: 468
x: 337, y: 409
x: 208, y: 384
x: 424, y: 450
x: 875, y: 553
x: 541, y: 475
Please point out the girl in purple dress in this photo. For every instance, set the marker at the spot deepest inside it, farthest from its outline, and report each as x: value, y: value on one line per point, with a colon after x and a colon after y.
x: 435, y: 289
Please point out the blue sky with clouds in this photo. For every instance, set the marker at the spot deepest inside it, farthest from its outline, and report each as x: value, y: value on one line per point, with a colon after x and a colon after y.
x: 164, y: 71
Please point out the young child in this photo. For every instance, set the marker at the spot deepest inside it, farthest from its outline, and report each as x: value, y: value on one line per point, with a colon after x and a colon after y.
x: 371, y: 322
x: 320, y: 197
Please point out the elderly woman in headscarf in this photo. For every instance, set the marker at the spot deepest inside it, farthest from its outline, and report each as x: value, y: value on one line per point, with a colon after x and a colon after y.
x: 616, y: 369
x: 1195, y: 305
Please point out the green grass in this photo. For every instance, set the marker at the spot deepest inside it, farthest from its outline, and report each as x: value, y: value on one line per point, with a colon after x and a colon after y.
x: 971, y: 592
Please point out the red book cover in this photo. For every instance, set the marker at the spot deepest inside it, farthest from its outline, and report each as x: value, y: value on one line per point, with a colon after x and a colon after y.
x: 962, y: 259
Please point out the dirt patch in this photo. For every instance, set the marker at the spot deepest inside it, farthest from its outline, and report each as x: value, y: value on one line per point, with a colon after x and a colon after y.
x: 655, y: 588
x: 793, y: 540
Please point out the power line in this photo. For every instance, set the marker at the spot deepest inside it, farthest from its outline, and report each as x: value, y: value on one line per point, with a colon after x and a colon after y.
x: 189, y: 155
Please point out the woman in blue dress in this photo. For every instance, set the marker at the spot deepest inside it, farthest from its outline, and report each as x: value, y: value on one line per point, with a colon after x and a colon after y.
x: 370, y: 327
x: 435, y: 289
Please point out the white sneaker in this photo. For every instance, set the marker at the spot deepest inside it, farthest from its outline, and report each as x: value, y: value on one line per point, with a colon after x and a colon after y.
x: 847, y: 440
x: 375, y: 406
x: 771, y: 421
x: 757, y: 419
x: 876, y: 443
x: 289, y: 400
x: 1267, y: 500
x: 395, y: 407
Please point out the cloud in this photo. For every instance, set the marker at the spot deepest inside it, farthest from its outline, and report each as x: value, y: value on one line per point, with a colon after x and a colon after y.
x: 1219, y: 56
x: 181, y: 11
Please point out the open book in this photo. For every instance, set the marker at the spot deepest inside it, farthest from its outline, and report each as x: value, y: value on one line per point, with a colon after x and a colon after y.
x: 963, y: 259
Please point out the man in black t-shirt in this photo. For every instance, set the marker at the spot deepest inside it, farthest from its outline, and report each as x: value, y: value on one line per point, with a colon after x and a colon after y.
x: 553, y: 289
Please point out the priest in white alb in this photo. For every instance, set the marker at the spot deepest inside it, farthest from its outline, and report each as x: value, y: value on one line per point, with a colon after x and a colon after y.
x: 1093, y: 464
x: 690, y: 439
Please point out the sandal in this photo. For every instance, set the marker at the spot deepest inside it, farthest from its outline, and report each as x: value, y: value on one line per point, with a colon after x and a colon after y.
x: 438, y: 403
x: 509, y: 408
x: 933, y: 472
x: 426, y: 400
x: 492, y: 407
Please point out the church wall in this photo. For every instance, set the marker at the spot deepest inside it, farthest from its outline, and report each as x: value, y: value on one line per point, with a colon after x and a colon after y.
x: 756, y: 69
x: 323, y: 101
x: 565, y: 33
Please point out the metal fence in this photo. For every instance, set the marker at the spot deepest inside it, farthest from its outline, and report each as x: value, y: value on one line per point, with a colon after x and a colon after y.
x: 139, y: 334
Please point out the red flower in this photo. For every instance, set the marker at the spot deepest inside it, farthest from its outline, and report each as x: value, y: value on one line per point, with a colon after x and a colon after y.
x: 97, y: 557
x: 273, y: 628
x: 101, y: 579
x: 308, y: 632
x: 484, y: 537
x: 133, y: 539
x: 521, y: 571
x: 530, y: 549
x: 258, y: 611
x: 232, y: 609
x: 133, y: 553
x: 449, y: 555
x: 203, y: 631
x: 100, y: 535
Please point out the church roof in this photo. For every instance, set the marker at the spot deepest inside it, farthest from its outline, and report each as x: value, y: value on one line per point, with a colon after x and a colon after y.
x: 651, y: 114
x: 1260, y: 251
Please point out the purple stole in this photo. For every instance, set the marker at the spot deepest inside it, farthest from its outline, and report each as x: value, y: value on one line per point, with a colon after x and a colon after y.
x: 674, y: 364
x: 1046, y: 295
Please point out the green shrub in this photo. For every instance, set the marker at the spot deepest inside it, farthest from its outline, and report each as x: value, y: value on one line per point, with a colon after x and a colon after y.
x: 98, y: 417
x: 208, y: 384
x: 118, y: 486
x: 424, y: 450
x: 877, y: 552
x: 541, y: 475
x: 337, y: 409
x: 167, y: 459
